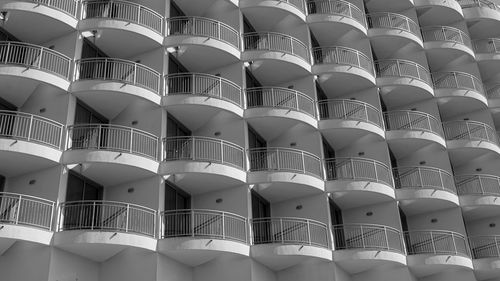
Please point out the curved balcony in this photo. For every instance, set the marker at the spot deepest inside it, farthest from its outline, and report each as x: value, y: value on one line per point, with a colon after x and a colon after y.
x: 123, y: 18
x: 493, y: 94
x: 27, y: 138
x: 100, y: 229
x: 424, y: 189
x: 350, y: 118
x: 432, y: 251
x: 399, y: 78
x: 100, y: 82
x: 446, y: 43
x: 342, y: 69
x: 469, y: 136
x: 277, y: 102
x: 486, y: 253
x: 488, y: 57
x: 414, y: 128
x: 201, y: 164
x: 281, y: 8
x: 194, y: 236
x: 350, y: 176
x: 360, y: 247
x: 394, y: 26
x: 284, y: 173
x: 478, y: 195
x: 24, y: 217
x: 105, y: 146
x: 202, y: 95
x: 33, y: 65
x: 195, y: 34
x: 338, y: 14
x: 277, y: 240
x: 275, y: 52
x: 433, y: 9
x: 483, y: 10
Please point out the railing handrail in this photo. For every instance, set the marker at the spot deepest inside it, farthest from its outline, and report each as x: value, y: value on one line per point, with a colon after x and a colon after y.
x: 346, y: 49
x: 477, y: 83
x: 291, y: 38
x: 381, y: 226
x: 465, y: 38
x: 462, y: 180
x: 194, y: 74
x: 271, y: 149
x: 203, y: 211
x: 430, y: 245
x: 108, y: 203
x: 30, y: 197
x: 377, y: 162
x: 207, y: 139
x: 425, y: 168
x: 400, y: 62
x: 454, y: 233
x: 348, y: 4
x: 46, y: 49
x: 467, y: 122
x: 493, y: 92
x: 411, y: 169
x: 124, y: 128
x: 118, y: 60
x: 478, y: 3
x: 426, y: 115
x: 298, y: 93
x: 302, y: 8
x: 408, y: 19
x: 290, y: 219
x: 21, y: 209
x: 347, y: 113
x: 297, y: 106
x: 48, y: 4
x: 20, y: 113
x: 204, y: 19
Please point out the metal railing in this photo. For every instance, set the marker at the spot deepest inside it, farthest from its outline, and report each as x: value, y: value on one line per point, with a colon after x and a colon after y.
x: 29, y: 127
x: 284, y: 159
x: 493, y: 92
x: 469, y: 130
x: 107, y: 215
x: 446, y: 33
x: 423, y: 178
x: 488, y: 45
x: 392, y: 20
x: 343, y: 56
x: 413, y: 121
x: 28, y: 210
x: 436, y: 242
x: 191, y: 148
x: 299, y: 4
x: 485, y: 246
x: 478, y: 3
x: 68, y: 6
x: 349, y: 110
x: 199, y: 26
x: 367, y: 236
x: 114, y: 138
x: 123, y: 10
x: 290, y: 231
x: 457, y: 80
x: 118, y: 70
x: 278, y: 97
x: 33, y: 56
x: 273, y: 41
x: 336, y: 7
x: 478, y: 185
x: 402, y: 68
x: 358, y: 169
x: 203, y: 85
x: 204, y: 223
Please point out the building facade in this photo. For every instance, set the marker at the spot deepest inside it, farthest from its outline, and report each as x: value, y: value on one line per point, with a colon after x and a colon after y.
x: 259, y: 140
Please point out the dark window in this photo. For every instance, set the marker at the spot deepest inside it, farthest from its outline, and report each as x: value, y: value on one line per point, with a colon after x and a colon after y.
x: 176, y: 128
x: 90, y: 50
x: 261, y: 228
x: 2, y: 183
x: 82, y: 188
x: 175, y: 66
x: 175, y: 11
x: 176, y: 198
x: 261, y: 208
x: 177, y: 223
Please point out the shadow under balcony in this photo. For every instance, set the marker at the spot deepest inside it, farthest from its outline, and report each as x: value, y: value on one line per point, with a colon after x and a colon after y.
x: 433, y: 9
x: 335, y: 16
x: 391, y: 28
x: 280, y: 173
x: 275, y: 8
x: 444, y: 44
x: 194, y: 237
x: 111, y: 154
x: 25, y: 218
x: 423, y: 189
x: 201, y: 164
x: 279, y: 243
x: 361, y: 247
x: 99, y: 230
x: 486, y: 253
x: 484, y: 14
x: 433, y: 251
x: 358, y: 181
x: 479, y: 195
x: 28, y: 142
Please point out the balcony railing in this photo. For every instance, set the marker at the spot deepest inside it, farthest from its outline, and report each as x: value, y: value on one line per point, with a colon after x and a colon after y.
x: 118, y: 70
x: 29, y: 127
x: 113, y: 138
x: 423, y: 178
x: 108, y: 216
x: 349, y: 110
x: 493, y: 92
x: 413, y: 121
x: 487, y: 46
x: 485, y: 246
x: 478, y: 3
x: 205, y: 224
x: 478, y: 185
x: 367, y: 236
x: 26, y: 210
x: 123, y: 10
x: 272, y: 41
x: 358, y: 169
x: 192, y: 148
x: 447, y: 34
x: 198, y: 26
x: 469, y: 130
x: 284, y: 159
x: 336, y: 7
x: 392, y: 20
x: 33, y: 56
x: 290, y: 231
x: 402, y: 68
x: 343, y: 56
x: 68, y: 6
x: 436, y: 242
x: 299, y: 4
x: 277, y: 97
x: 204, y: 85
x: 457, y: 80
